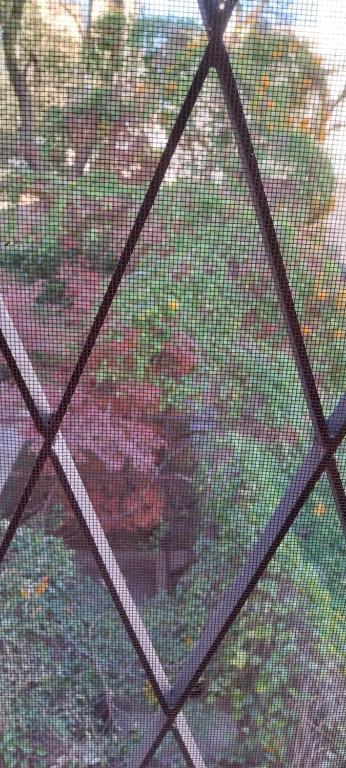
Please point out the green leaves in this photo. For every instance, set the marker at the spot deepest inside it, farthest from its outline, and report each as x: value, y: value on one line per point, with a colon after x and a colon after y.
x: 103, y: 50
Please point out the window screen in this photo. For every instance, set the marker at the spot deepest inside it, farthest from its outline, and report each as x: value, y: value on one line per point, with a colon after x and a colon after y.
x: 172, y: 384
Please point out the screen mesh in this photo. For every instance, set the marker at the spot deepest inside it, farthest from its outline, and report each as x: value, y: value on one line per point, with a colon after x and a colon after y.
x: 172, y: 394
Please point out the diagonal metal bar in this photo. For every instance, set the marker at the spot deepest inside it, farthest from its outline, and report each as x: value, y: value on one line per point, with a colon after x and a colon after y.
x: 260, y: 203
x: 216, y: 15
x: 246, y: 150
x: 298, y: 491
x: 136, y: 230
x: 259, y: 199
x: 263, y: 552
x: 78, y: 497
x: 338, y: 492
x: 50, y: 426
x: 257, y: 191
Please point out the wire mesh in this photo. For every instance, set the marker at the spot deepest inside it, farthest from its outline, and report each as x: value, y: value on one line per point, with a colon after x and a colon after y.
x: 172, y: 333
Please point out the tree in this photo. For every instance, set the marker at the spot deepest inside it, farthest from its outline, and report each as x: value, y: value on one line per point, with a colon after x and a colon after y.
x: 11, y: 16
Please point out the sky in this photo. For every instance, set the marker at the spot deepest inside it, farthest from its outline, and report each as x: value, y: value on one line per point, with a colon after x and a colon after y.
x: 177, y: 7
x: 280, y: 9
x: 284, y: 11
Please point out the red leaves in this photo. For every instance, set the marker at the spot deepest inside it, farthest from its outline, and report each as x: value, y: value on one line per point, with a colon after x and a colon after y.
x: 68, y: 243
x: 137, y: 398
x: 178, y: 357
x: 118, y: 354
x: 83, y: 289
x: 144, y: 507
x: 117, y: 461
x: 116, y: 456
x: 267, y: 330
x: 110, y: 430
x: 262, y: 329
x: 127, y: 499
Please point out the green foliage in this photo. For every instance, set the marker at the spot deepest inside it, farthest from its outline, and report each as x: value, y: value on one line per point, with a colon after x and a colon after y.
x: 302, y: 155
x: 54, y: 135
x: 103, y: 52
x: 277, y: 56
x: 56, y: 649
x: 100, y: 100
x: 33, y: 259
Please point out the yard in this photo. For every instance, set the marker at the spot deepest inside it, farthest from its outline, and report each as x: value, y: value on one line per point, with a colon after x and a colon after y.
x: 189, y: 420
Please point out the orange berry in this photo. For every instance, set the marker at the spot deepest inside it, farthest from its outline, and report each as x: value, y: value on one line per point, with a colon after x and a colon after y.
x: 42, y: 585
x: 172, y: 86
x: 341, y: 299
x: 271, y: 104
x: 307, y: 330
x: 173, y: 305
x: 272, y: 747
x: 330, y: 205
x: 149, y: 693
x: 141, y: 87
x: 305, y: 124
x: 265, y: 81
x: 322, y: 295
x: 319, y: 509
x: 251, y: 18
x: 339, y: 334
x: 192, y: 44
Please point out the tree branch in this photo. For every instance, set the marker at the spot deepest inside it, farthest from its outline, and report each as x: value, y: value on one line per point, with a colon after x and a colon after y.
x: 66, y: 7
x: 11, y: 31
x: 339, y: 99
x: 19, y: 80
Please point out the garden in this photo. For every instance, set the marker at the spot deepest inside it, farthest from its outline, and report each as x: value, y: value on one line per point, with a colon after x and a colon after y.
x: 189, y: 420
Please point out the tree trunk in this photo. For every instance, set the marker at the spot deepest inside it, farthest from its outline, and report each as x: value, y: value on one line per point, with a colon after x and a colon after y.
x: 19, y: 80
x: 89, y: 20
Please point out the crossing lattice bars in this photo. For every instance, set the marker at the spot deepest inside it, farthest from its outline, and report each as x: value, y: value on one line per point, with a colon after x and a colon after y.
x: 320, y: 458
